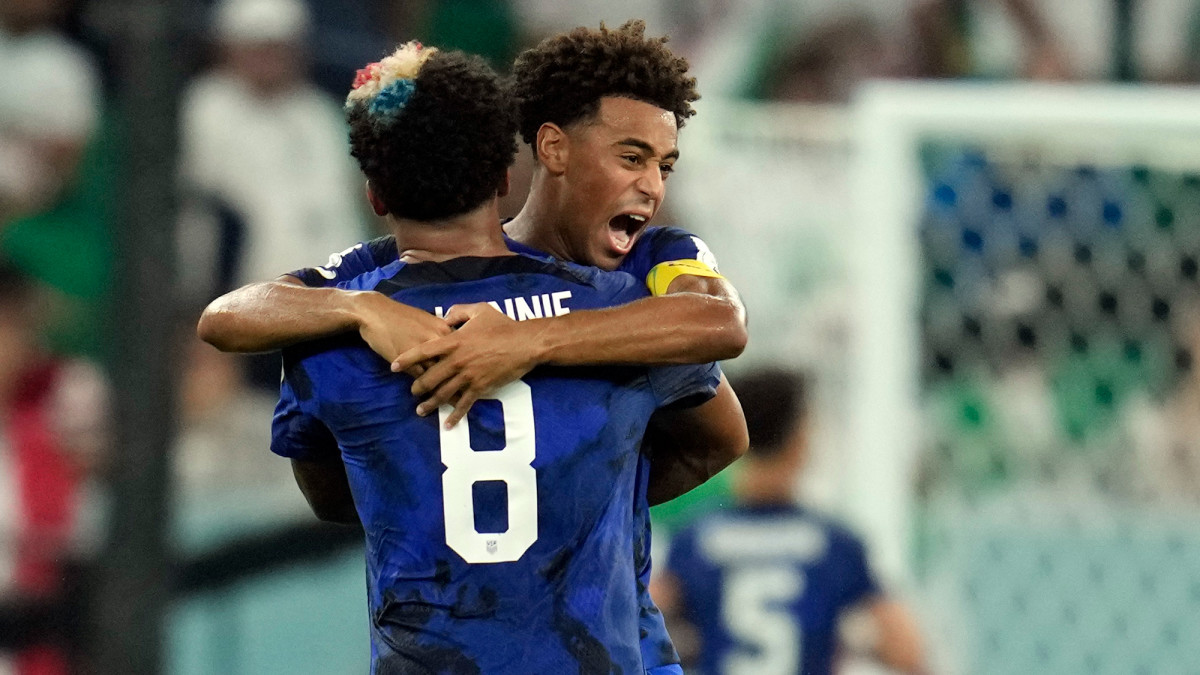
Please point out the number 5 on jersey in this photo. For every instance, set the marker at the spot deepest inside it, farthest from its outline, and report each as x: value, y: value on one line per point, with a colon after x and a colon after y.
x: 512, y: 464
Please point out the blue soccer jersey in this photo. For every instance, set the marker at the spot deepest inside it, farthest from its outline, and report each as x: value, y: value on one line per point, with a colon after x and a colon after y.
x: 503, y: 545
x: 657, y: 248
x: 764, y: 586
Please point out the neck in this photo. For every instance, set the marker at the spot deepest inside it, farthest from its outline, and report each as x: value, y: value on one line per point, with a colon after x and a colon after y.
x: 764, y: 484
x: 538, y: 224
x: 473, y: 234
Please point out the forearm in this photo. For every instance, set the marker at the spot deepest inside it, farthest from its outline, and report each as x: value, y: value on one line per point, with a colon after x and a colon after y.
x: 271, y: 315
x: 899, y: 644
x: 670, y: 329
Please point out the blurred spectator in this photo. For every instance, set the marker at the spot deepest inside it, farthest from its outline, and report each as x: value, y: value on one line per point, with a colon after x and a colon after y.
x: 819, y: 50
x: 52, y: 437
x: 220, y: 418
x: 741, y: 50
x: 484, y: 27
x: 55, y: 169
x: 769, y: 586
x: 541, y: 18
x: 258, y: 138
x: 827, y: 62
x: 49, y: 106
x: 964, y: 38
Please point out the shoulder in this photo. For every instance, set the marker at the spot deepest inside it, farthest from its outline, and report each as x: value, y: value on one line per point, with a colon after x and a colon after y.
x: 371, y: 279
x: 661, y: 247
x: 665, y: 235
x: 659, y: 234
x: 344, y: 266
x: 614, y: 288
x: 382, y: 249
x: 839, y: 534
x: 687, y: 245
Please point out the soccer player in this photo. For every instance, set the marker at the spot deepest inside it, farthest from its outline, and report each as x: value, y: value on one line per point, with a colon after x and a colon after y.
x: 502, y: 545
x: 770, y: 586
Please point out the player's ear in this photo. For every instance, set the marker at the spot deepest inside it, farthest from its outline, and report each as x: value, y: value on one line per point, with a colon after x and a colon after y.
x: 552, y: 146
x: 377, y: 204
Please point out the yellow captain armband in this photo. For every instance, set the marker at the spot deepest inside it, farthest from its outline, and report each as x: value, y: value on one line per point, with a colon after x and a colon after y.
x: 662, y: 274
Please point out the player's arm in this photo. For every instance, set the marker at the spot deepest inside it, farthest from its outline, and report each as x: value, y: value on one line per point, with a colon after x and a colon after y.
x: 275, y: 314
x: 884, y: 628
x: 325, y: 486
x: 691, y: 445
x: 699, y: 319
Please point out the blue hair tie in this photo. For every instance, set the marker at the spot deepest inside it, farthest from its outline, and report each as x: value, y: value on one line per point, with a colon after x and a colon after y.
x: 391, y: 99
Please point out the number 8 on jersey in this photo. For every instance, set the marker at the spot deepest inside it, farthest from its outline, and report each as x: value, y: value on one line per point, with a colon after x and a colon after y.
x: 512, y: 464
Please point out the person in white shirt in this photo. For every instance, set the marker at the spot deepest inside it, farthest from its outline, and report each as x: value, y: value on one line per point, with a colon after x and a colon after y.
x: 49, y: 106
x: 262, y: 141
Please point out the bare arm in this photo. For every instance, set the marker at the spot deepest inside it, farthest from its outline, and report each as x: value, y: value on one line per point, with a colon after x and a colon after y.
x: 275, y: 314
x: 687, y: 447
x: 700, y: 320
x: 325, y: 486
x: 887, y: 631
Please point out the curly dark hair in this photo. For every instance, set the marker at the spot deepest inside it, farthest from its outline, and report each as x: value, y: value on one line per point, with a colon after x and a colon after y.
x: 775, y: 402
x: 448, y: 149
x: 563, y: 79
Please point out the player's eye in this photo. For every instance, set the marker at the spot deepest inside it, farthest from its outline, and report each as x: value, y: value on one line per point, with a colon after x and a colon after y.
x: 632, y: 159
x: 666, y: 170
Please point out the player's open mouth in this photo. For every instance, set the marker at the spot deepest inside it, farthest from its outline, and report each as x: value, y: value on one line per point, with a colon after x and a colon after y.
x: 623, y: 231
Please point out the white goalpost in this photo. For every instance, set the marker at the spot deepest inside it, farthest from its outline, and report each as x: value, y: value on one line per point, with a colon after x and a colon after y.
x: 1091, y: 189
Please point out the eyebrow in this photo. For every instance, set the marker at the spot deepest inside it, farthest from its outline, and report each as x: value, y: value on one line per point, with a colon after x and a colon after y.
x: 646, y: 147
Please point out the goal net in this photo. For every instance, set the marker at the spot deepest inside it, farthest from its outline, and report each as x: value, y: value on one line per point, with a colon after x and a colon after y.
x: 1025, y: 395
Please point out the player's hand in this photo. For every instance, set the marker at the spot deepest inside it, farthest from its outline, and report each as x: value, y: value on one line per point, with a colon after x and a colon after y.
x: 390, y: 328
x: 488, y: 351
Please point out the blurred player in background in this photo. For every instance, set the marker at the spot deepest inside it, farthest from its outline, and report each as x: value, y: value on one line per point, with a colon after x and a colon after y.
x: 503, y: 544
x: 770, y: 586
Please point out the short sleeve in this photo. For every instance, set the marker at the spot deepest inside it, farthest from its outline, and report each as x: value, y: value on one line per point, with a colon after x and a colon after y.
x: 354, y: 261
x: 667, y: 247
x: 685, y: 386
x: 856, y: 583
x: 296, y: 432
